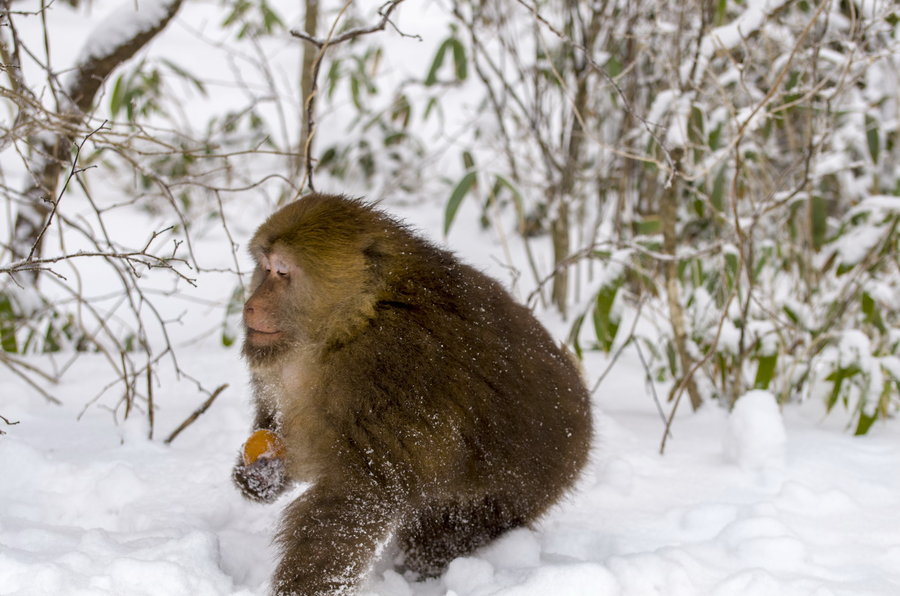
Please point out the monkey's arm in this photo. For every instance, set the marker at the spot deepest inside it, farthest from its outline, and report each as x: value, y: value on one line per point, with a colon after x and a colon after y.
x: 329, y: 537
x: 264, y: 479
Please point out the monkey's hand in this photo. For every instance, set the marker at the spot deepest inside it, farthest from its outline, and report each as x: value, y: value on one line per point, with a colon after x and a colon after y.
x: 262, y: 480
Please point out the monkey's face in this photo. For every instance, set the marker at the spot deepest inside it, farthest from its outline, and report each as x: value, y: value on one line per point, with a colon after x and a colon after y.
x: 271, y: 313
x: 318, y: 277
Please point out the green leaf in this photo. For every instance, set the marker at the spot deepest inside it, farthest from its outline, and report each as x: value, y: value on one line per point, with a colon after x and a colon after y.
x: 872, y: 313
x: 574, y: 333
x: 518, y: 202
x: 606, y: 326
x: 791, y: 314
x: 334, y: 75
x: 837, y: 377
x: 765, y: 371
x: 613, y: 67
x: 865, y: 423
x: 431, y: 105
x: 116, y: 98
x: 271, y: 20
x: 401, y: 111
x: 459, y: 192
x: 715, y: 137
x: 695, y: 126
x: 240, y: 8
x: 431, y: 77
x: 648, y: 226
x: 717, y: 196
x: 459, y: 60
x: 872, y: 137
x: 7, y: 325
x: 721, y: 12
x: 354, y: 91
x: 184, y: 74
x: 460, y: 64
x: 819, y: 221
x: 732, y: 270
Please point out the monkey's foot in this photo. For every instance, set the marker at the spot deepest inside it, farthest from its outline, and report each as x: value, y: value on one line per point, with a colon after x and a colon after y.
x: 263, y: 480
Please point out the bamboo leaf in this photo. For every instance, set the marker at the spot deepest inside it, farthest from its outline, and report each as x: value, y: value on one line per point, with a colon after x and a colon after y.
x: 837, y: 377
x: 865, y: 423
x: 732, y: 270
x: 765, y: 371
x: 717, y: 196
x: 116, y: 100
x: 872, y: 313
x: 819, y: 221
x: 872, y: 137
x: 518, y: 202
x: 459, y: 192
x: 574, y: 333
x: 606, y: 325
x: 459, y: 59
x: 431, y: 77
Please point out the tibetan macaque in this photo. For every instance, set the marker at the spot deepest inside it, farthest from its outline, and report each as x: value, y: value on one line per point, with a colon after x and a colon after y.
x: 415, y: 395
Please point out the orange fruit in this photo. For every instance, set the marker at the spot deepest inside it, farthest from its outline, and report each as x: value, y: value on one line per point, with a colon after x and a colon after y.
x: 263, y: 443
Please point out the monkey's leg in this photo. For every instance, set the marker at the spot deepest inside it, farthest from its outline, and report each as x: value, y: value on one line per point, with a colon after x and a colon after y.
x: 441, y: 533
x: 329, y: 538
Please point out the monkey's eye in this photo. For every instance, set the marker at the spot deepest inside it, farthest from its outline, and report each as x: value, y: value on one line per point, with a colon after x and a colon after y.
x: 280, y: 267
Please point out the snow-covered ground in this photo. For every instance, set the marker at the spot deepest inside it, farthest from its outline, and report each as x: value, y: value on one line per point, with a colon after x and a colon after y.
x: 748, y: 505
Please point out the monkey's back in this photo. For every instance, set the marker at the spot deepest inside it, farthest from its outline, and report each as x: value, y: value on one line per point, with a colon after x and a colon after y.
x: 458, y: 390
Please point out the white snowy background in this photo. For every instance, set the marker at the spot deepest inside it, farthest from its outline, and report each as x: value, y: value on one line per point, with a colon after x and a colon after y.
x: 761, y: 501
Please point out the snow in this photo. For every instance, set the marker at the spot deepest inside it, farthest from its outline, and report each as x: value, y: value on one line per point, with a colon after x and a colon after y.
x: 755, y: 435
x: 752, y: 502
x: 758, y: 501
x: 730, y: 35
x: 122, y: 24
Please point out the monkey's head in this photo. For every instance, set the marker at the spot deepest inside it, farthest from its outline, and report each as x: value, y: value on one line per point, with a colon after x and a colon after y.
x: 316, y: 279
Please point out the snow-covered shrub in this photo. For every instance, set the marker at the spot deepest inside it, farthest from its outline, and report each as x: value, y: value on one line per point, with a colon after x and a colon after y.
x: 733, y: 169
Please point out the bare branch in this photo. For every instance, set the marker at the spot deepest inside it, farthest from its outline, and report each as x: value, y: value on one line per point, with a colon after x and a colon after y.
x: 385, y: 12
x: 8, y: 422
x: 196, y: 414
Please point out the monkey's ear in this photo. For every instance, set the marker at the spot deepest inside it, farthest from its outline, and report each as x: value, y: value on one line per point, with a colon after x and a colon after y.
x: 374, y: 253
x: 376, y: 257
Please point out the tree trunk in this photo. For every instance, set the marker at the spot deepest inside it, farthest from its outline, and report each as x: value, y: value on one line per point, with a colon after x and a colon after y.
x: 560, y: 229
x: 310, y: 27
x: 668, y: 216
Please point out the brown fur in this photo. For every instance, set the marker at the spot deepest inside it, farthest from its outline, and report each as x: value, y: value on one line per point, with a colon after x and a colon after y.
x: 419, y: 398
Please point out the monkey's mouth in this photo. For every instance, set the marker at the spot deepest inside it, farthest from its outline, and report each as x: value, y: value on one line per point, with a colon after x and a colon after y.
x: 258, y: 337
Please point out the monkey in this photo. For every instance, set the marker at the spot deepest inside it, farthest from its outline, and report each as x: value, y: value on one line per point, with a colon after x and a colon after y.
x: 422, y: 403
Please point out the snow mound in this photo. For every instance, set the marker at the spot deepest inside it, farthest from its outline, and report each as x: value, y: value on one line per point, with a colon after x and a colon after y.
x: 755, y: 437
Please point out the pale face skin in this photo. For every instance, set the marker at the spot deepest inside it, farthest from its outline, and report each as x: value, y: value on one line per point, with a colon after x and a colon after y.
x: 272, y: 280
x: 273, y: 315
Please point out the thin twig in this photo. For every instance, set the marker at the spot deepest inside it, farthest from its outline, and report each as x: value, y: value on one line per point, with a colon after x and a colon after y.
x: 354, y: 33
x: 678, y: 391
x: 34, y: 385
x: 649, y: 379
x: 197, y: 413
x: 7, y: 421
x: 150, y: 414
x: 73, y: 171
x: 622, y: 347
